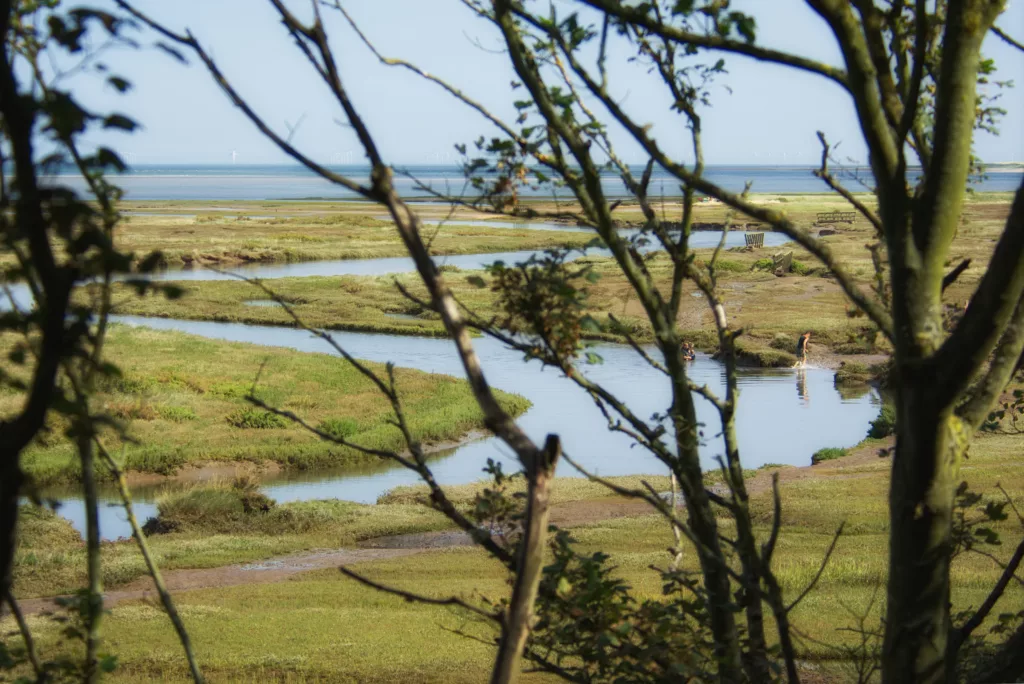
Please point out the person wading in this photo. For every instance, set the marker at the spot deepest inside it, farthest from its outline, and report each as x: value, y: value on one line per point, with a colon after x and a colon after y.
x: 802, y: 347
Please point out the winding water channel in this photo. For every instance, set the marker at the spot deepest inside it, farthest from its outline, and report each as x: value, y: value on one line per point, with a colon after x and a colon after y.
x: 784, y: 415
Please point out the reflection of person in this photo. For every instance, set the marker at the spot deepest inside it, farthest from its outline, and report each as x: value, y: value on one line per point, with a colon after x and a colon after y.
x: 801, y: 386
x: 802, y: 347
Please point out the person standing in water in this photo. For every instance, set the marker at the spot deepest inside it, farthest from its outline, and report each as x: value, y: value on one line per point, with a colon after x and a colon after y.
x: 802, y: 346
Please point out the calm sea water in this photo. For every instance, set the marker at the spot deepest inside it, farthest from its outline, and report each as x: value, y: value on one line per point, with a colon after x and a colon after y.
x: 280, y: 181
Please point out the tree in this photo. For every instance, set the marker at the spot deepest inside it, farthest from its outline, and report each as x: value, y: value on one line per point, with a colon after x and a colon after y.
x: 64, y: 259
x: 912, y: 74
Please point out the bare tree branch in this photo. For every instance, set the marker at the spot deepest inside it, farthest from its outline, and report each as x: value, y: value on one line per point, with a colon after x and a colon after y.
x: 1007, y: 38
x: 821, y: 570
x: 637, y: 17
x: 26, y: 635
x: 413, y: 597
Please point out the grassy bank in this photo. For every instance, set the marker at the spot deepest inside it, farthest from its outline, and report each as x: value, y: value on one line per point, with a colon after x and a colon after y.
x: 323, y: 627
x: 772, y: 310
x: 247, y: 234
x: 211, y: 529
x: 182, y: 402
x: 211, y: 524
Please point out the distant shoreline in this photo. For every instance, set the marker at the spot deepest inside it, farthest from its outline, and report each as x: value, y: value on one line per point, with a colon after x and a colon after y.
x: 271, y: 183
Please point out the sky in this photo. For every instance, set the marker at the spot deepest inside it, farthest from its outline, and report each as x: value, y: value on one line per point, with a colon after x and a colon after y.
x: 760, y: 113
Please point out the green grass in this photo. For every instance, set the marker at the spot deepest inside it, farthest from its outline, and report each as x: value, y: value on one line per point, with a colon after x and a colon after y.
x: 851, y: 374
x: 183, y: 402
x: 754, y: 353
x: 885, y: 424
x: 211, y: 529
x: 567, y: 489
x: 298, y: 232
x: 323, y: 627
x: 800, y: 301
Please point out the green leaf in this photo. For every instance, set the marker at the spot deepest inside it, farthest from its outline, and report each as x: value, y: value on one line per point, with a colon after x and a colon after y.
x: 120, y: 84
x: 119, y: 121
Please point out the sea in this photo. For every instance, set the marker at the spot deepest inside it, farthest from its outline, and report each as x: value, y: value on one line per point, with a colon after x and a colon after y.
x: 293, y: 182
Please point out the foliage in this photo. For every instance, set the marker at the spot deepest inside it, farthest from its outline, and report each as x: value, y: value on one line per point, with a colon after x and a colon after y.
x: 827, y: 454
x: 543, y: 298
x: 885, y: 424
x: 339, y: 427
x: 1010, y: 408
x: 256, y: 419
x: 594, y: 628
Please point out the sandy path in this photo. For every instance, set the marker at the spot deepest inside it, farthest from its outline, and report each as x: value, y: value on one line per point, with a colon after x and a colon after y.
x: 573, y: 514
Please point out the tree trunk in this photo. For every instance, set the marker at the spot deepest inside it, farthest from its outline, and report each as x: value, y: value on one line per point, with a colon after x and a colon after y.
x: 519, y: 616
x: 10, y: 483
x: 713, y: 565
x: 929, y: 445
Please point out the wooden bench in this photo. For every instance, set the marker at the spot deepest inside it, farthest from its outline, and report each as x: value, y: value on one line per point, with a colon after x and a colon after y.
x: 831, y: 217
x: 754, y: 239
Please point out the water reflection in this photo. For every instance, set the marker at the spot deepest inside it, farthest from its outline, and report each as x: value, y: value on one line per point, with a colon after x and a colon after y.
x: 801, y: 386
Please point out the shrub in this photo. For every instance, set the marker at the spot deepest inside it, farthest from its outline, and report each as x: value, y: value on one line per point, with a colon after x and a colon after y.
x: 255, y: 419
x: 730, y: 266
x: 339, y: 427
x: 125, y: 384
x: 885, y: 424
x: 250, y: 496
x: 765, y: 264
x: 41, y: 528
x: 784, y: 342
x: 800, y: 268
x: 827, y: 454
x: 217, y: 507
x: 177, y: 414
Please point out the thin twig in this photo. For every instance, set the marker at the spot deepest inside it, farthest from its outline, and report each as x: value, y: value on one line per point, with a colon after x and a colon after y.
x: 26, y: 636
x: 821, y: 570
x: 419, y: 598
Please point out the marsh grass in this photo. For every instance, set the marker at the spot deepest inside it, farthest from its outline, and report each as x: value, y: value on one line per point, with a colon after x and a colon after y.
x: 323, y: 627
x: 204, y: 527
x: 215, y: 238
x: 182, y: 400
x: 762, y: 304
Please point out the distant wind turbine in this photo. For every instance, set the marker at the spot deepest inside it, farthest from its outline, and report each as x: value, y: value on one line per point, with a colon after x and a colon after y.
x: 234, y: 156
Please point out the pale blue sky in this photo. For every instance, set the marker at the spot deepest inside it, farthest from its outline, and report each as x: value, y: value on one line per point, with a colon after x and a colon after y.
x: 770, y: 116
